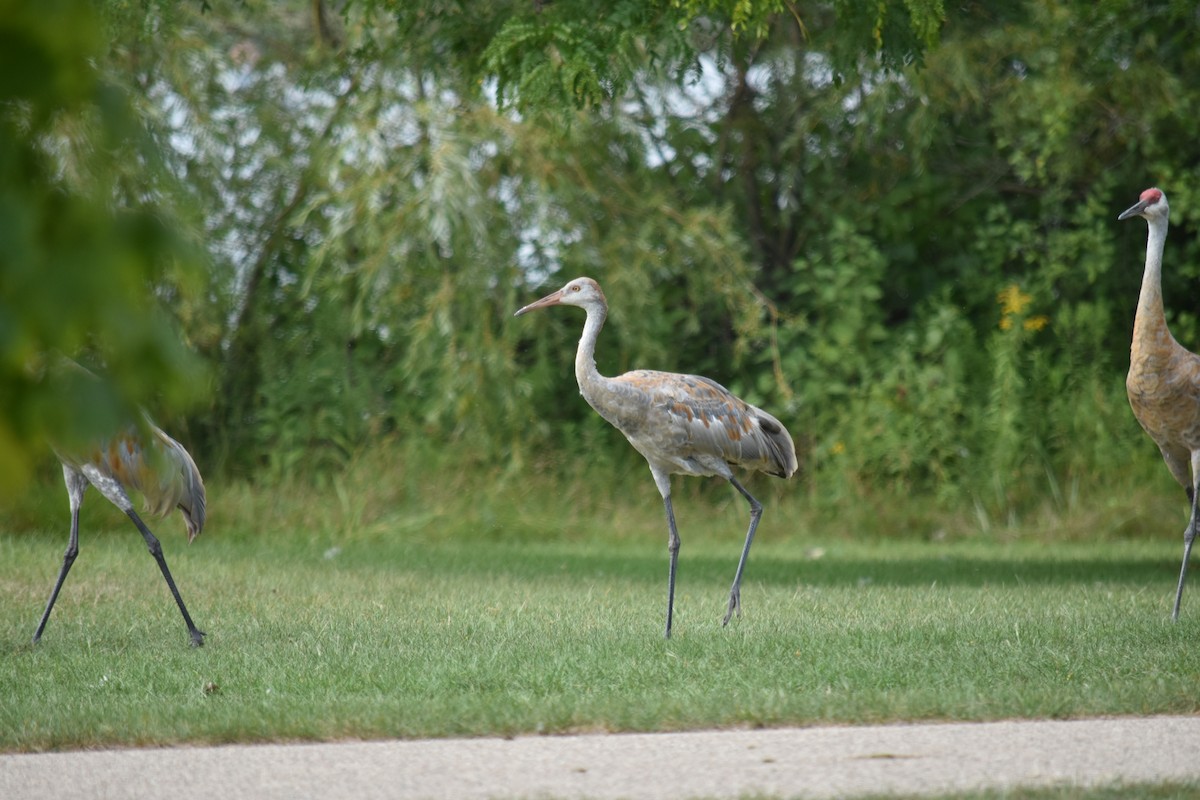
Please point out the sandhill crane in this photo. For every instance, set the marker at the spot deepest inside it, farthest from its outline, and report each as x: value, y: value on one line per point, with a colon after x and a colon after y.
x: 681, y: 424
x: 164, y: 473
x: 1164, y: 378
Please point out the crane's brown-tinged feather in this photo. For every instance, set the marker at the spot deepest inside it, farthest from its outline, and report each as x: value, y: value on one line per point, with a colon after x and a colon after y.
x: 1164, y: 394
x: 696, y: 419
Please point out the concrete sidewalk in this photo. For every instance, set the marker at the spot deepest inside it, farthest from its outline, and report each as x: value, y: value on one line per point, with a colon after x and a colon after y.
x: 805, y: 762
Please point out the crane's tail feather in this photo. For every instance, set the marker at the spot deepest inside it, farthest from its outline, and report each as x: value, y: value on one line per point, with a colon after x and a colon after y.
x: 180, y: 485
x: 781, y: 450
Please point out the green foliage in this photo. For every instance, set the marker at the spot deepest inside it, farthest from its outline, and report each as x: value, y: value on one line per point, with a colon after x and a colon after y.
x: 571, y: 54
x: 88, y: 237
x: 836, y: 319
x: 818, y: 206
x: 1035, y: 215
x: 899, y: 32
x: 916, y: 421
x: 744, y: 16
x: 554, y: 64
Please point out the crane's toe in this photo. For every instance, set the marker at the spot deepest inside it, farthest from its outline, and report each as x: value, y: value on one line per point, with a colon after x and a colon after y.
x: 198, y: 638
x: 735, y: 606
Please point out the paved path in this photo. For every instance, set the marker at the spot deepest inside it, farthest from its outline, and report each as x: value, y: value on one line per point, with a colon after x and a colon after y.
x: 804, y: 762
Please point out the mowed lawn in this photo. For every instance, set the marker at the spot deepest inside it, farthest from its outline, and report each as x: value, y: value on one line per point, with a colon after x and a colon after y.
x: 403, y: 629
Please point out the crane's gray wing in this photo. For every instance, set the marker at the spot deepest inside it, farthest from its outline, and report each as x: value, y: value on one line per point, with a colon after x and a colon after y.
x: 693, y: 417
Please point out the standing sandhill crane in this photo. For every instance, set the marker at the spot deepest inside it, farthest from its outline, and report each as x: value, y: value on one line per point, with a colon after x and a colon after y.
x: 1164, y: 378
x: 164, y: 473
x: 681, y: 424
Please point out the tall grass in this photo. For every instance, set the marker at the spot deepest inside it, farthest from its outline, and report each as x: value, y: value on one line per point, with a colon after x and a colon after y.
x: 400, y: 487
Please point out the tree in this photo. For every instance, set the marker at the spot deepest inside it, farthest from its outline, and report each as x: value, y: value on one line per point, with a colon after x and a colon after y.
x: 87, y: 237
x: 894, y: 233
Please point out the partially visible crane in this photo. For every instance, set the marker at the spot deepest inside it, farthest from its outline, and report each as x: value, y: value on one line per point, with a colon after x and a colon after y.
x: 160, y: 468
x: 1164, y: 377
x: 681, y: 424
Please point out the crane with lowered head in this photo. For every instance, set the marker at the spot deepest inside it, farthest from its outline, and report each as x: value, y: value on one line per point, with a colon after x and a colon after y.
x: 141, y: 458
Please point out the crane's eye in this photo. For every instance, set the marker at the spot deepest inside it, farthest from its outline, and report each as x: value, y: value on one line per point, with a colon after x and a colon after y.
x: 574, y: 288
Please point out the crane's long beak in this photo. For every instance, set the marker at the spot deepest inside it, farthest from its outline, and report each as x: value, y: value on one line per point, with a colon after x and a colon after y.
x: 552, y: 299
x: 1133, y: 210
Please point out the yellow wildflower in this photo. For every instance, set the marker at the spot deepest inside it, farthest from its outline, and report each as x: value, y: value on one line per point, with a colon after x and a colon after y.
x: 1036, y: 323
x: 1013, y: 303
x: 1012, y: 300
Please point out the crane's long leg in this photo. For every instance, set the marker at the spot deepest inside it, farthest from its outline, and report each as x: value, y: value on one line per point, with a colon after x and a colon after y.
x: 156, y: 551
x: 735, y: 594
x: 76, y: 485
x: 68, y: 560
x: 1189, y: 536
x: 673, y: 549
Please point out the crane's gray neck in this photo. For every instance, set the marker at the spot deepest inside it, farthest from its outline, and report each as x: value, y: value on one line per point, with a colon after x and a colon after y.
x: 1150, y: 320
x: 585, y: 357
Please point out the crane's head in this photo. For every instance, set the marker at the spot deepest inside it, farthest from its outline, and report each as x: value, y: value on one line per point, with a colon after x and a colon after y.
x: 1152, y: 205
x: 583, y: 292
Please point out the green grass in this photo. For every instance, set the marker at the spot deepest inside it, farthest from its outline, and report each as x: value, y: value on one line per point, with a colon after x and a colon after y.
x: 465, y: 614
x: 1138, y: 791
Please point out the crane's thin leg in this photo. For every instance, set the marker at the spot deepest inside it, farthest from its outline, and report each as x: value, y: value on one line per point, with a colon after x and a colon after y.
x: 673, y: 549
x: 1189, y: 536
x: 67, y: 560
x: 156, y: 551
x: 76, y: 484
x: 735, y: 594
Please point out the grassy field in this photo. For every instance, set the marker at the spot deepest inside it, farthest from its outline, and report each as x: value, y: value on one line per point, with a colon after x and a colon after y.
x: 329, y: 618
x: 1168, y: 791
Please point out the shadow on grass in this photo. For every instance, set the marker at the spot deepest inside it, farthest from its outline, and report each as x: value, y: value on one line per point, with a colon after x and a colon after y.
x: 905, y: 565
x: 534, y: 563
x: 952, y: 570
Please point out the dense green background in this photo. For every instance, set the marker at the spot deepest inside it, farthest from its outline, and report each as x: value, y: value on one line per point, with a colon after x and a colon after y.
x: 298, y: 231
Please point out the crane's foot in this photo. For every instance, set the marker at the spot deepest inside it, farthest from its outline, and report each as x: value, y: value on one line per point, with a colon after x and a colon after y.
x: 198, y: 638
x: 735, y: 606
